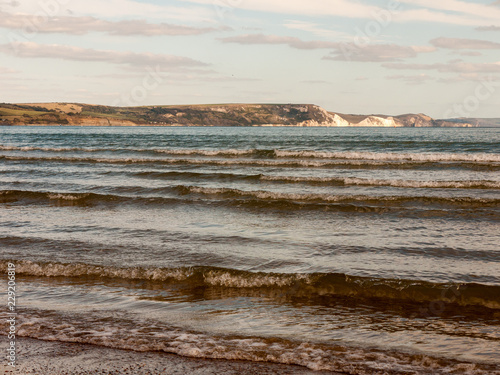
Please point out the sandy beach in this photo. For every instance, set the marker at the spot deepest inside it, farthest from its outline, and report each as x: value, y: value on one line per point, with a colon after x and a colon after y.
x: 57, y: 358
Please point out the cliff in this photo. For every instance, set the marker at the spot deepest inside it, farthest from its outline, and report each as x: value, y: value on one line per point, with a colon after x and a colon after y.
x: 204, y: 115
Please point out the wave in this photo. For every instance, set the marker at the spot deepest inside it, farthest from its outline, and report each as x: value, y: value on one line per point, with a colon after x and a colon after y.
x: 292, y: 285
x: 289, y: 163
x: 355, y: 181
x: 325, y: 198
x: 82, y: 198
x: 414, y: 206
x: 52, y: 149
x: 122, y: 331
x: 277, y: 153
x: 330, y: 181
x: 387, y: 156
x: 198, y: 176
x: 320, y: 181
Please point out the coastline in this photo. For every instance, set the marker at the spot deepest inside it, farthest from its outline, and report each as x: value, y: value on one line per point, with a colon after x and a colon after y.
x: 64, y: 358
x: 234, y: 115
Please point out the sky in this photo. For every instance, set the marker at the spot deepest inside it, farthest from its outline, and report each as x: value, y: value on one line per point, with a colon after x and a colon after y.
x: 441, y: 58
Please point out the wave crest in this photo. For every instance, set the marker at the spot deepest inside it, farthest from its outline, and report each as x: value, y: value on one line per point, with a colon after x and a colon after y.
x: 291, y: 154
x: 289, y: 284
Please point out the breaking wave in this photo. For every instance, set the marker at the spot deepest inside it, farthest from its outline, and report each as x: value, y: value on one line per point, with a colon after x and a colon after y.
x: 285, y: 163
x: 229, y: 195
x: 324, y: 198
x: 354, y: 181
x: 330, y: 181
x: 289, y: 284
x: 277, y: 153
x: 128, y: 332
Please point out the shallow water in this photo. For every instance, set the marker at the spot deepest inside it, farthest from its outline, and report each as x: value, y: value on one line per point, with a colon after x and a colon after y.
x: 350, y: 249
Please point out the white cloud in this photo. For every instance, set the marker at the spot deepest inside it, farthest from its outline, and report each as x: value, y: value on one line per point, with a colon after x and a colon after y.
x: 64, y: 52
x: 86, y: 24
x: 117, y: 9
x: 316, y: 82
x: 12, y: 3
x: 347, y: 51
x: 412, y: 79
x: 275, y: 39
x: 424, y: 49
x: 488, y: 28
x: 457, y: 44
x: 433, y: 10
x: 451, y: 67
x: 7, y: 71
x: 315, y: 29
x: 427, y: 15
x: 466, y: 53
x: 481, y: 11
x: 463, y: 77
x: 343, y: 8
x: 371, y: 53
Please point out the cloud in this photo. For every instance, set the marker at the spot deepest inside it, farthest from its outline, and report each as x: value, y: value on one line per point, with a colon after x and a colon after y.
x: 5, y: 71
x: 342, y: 8
x: 117, y: 9
x: 314, y: 28
x: 457, y: 44
x: 463, y: 77
x: 466, y: 53
x: 347, y: 51
x: 12, y: 3
x: 371, y: 53
x: 481, y: 13
x: 412, y: 79
x: 84, y: 25
x: 488, y: 28
x: 444, y: 11
x: 316, y: 82
x: 451, y: 12
x: 211, y: 79
x: 424, y: 49
x: 64, y: 52
x: 292, y: 42
x: 451, y: 67
x: 427, y: 15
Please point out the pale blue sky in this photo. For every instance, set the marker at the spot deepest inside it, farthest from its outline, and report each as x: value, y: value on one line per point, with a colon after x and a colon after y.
x: 441, y: 58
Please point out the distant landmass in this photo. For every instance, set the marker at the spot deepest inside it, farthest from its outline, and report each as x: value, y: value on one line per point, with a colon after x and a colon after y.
x: 213, y: 115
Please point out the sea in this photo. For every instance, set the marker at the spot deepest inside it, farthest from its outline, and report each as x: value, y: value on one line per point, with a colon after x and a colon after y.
x: 357, y: 250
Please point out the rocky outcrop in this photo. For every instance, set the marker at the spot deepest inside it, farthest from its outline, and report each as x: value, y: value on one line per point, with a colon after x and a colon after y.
x: 96, y: 121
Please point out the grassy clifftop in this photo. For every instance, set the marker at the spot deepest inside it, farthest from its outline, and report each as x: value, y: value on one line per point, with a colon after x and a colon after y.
x: 195, y: 115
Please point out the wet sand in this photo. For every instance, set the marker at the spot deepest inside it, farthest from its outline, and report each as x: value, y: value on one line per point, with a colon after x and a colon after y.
x: 57, y: 358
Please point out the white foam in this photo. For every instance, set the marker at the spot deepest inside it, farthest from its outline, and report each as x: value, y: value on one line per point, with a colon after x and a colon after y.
x: 299, y: 154
x: 269, y: 195
x: 66, y: 197
x: 388, y: 156
x: 138, y: 335
x: 77, y: 269
x: 288, y: 163
x: 222, y: 278
x: 229, y: 152
x: 465, y: 184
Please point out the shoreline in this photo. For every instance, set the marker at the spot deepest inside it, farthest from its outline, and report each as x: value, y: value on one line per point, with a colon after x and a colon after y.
x: 64, y: 358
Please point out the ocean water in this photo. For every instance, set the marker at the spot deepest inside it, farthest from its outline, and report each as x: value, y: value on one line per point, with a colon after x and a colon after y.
x: 362, y: 250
